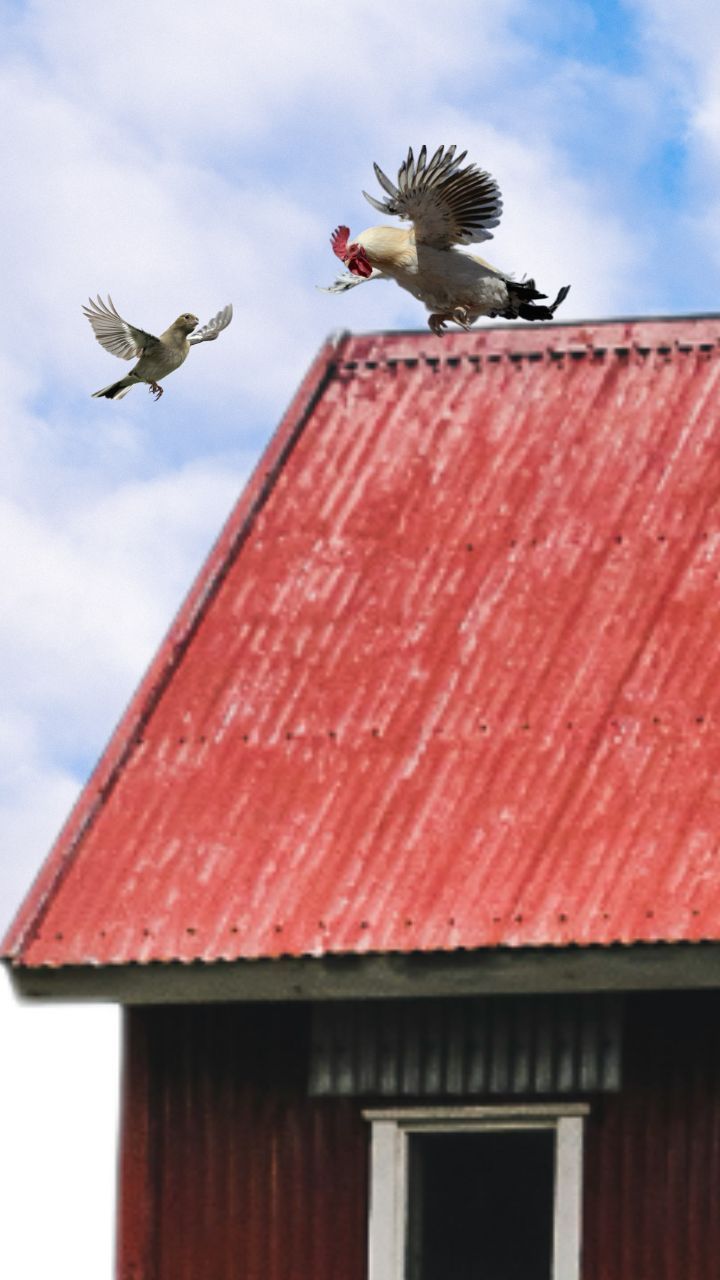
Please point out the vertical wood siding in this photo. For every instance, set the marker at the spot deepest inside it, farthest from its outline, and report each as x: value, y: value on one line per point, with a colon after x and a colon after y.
x: 248, y: 1178
x: 229, y: 1171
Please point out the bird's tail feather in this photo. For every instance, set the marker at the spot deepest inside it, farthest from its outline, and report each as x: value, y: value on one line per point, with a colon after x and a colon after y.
x: 523, y: 295
x: 115, y: 391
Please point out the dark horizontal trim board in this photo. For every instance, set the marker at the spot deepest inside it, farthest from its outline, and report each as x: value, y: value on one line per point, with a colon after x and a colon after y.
x: 643, y: 967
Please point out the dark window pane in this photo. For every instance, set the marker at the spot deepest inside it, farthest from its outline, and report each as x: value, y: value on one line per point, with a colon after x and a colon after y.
x: 481, y: 1205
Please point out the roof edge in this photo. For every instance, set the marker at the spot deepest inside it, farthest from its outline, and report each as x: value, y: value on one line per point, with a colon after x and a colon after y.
x: 167, y: 660
x: 524, y: 326
x: 492, y: 971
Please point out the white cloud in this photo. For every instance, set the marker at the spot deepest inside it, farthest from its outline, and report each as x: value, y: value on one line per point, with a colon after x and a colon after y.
x: 88, y: 589
x: 35, y: 798
x: 182, y: 156
x: 220, y: 71
x: 682, y: 46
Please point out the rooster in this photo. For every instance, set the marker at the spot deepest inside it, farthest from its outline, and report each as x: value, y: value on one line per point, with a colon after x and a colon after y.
x: 447, y: 206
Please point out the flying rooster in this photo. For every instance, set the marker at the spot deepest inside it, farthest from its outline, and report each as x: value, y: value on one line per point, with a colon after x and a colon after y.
x: 447, y: 206
x: 156, y: 357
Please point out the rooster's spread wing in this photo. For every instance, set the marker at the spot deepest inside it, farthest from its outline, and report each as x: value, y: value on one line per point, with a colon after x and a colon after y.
x: 210, y: 331
x: 447, y: 204
x: 115, y: 334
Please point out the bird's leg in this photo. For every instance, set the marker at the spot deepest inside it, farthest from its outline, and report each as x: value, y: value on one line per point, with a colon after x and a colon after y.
x: 437, y: 322
x: 155, y: 389
x: 461, y: 317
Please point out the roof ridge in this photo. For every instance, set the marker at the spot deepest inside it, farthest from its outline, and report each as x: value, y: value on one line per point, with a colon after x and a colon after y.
x: 520, y: 327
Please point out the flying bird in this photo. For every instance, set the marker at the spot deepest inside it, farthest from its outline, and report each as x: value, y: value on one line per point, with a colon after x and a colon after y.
x: 447, y: 206
x: 156, y: 357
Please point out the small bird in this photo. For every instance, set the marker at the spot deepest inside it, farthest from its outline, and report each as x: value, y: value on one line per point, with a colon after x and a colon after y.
x: 156, y: 357
x: 447, y: 206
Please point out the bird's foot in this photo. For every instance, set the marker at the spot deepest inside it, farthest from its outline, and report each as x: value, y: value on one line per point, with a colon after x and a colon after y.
x: 437, y: 322
x: 461, y: 317
x: 440, y: 319
x: 155, y: 389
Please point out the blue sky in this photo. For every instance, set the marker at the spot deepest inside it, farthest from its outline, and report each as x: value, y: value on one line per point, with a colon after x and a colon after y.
x: 184, y: 155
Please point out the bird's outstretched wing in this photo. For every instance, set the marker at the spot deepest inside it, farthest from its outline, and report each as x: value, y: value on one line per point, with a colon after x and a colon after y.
x: 210, y: 331
x: 115, y: 334
x: 346, y: 280
x: 447, y: 204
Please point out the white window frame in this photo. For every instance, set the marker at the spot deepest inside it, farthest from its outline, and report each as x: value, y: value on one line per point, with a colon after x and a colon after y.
x: 391, y: 1129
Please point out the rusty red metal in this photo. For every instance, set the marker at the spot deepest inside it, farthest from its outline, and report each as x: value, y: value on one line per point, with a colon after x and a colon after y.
x: 652, y: 1160
x: 229, y: 1169
x: 449, y: 678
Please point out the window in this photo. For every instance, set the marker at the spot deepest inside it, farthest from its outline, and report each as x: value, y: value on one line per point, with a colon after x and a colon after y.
x: 476, y: 1193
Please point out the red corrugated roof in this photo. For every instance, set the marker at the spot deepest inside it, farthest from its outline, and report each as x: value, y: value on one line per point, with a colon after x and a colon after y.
x: 449, y: 679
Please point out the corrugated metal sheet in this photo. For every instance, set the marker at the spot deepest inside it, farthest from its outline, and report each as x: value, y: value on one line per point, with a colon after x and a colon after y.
x: 228, y: 1169
x: 652, y: 1158
x: 466, y: 1048
x: 450, y: 678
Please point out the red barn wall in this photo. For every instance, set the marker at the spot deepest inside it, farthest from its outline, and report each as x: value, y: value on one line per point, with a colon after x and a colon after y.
x: 230, y: 1172
x: 652, y: 1161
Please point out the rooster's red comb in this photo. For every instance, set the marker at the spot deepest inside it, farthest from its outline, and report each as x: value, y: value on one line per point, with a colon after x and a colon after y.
x: 339, y: 240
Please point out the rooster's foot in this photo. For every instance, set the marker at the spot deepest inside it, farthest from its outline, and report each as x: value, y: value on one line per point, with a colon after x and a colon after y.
x: 461, y: 317
x: 438, y: 320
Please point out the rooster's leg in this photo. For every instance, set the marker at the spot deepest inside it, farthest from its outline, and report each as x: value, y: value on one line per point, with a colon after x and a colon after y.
x: 155, y: 389
x: 438, y: 320
x: 461, y: 317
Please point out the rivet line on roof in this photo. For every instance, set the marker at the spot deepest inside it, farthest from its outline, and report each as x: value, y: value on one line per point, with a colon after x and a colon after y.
x: 556, y: 354
x: 482, y: 726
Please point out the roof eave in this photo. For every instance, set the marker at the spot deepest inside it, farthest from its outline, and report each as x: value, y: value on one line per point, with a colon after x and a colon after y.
x: 492, y: 971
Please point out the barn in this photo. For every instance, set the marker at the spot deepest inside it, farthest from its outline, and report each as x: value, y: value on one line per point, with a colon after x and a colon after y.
x: 404, y: 861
